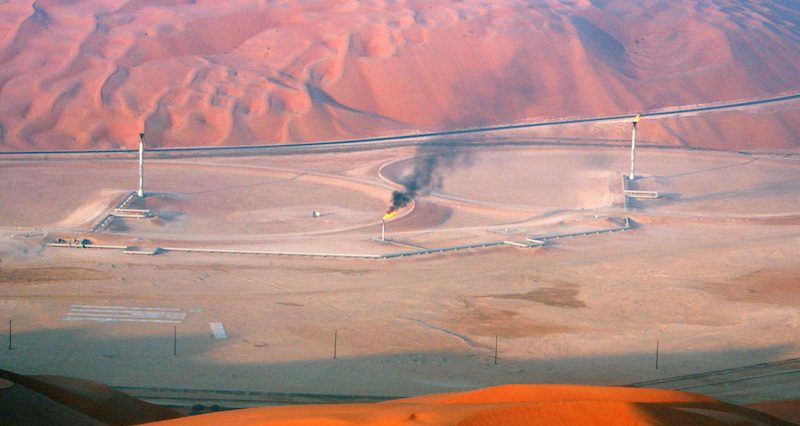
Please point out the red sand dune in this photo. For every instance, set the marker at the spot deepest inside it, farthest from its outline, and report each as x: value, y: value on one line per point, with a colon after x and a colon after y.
x: 64, y: 400
x: 93, y: 74
x: 507, y: 405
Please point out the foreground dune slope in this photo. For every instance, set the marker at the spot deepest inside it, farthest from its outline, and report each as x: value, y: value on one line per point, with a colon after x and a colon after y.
x: 788, y: 410
x: 510, y: 405
x: 63, y: 400
x: 93, y: 74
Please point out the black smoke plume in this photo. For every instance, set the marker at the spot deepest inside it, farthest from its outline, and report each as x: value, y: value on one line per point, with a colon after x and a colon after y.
x: 425, y: 176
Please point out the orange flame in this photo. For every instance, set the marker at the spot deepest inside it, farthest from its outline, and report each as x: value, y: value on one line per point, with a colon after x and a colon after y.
x: 390, y: 214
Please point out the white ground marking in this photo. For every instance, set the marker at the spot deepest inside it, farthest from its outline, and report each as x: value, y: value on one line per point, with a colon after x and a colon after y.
x: 124, y: 314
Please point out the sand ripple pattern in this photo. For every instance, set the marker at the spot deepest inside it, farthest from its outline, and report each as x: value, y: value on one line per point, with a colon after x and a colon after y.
x: 93, y: 74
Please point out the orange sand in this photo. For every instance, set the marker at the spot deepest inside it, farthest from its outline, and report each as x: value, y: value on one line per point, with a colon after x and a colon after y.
x: 94, y: 74
x: 508, y: 405
x: 55, y: 399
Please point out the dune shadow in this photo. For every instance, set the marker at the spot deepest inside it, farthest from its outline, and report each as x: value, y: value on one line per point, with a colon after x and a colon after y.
x: 159, y: 364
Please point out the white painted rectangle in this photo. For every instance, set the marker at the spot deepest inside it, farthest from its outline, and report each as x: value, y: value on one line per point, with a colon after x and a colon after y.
x: 107, y: 319
x: 218, y: 330
x: 179, y: 316
x: 123, y: 308
x: 124, y: 314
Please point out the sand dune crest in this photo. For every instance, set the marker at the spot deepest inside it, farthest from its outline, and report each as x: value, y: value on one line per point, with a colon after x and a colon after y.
x: 94, y: 74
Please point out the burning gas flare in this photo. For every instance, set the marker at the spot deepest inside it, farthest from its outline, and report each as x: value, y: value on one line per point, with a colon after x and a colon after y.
x: 423, y: 177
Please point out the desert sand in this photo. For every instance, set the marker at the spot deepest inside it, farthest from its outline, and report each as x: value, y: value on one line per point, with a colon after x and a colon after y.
x: 708, y: 273
x: 508, y: 405
x: 258, y: 277
x: 58, y: 400
x: 199, y: 73
x: 29, y: 400
x: 786, y: 410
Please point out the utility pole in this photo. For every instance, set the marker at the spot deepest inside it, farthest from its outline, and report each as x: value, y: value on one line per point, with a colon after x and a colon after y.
x: 657, y: 354
x: 495, y: 349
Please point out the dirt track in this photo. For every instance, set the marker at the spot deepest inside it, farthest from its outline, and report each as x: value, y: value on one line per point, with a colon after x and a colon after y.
x: 586, y: 310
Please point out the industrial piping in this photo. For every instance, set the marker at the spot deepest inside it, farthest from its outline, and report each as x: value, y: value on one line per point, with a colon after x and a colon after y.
x: 633, y: 147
